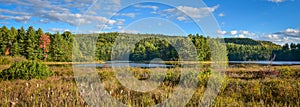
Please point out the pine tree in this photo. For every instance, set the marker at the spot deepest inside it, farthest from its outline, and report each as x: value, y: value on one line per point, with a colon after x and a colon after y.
x: 15, y: 50
x: 68, y: 43
x: 4, y: 42
x: 56, y: 50
x: 31, y: 44
x: 21, y: 37
x: 1, y: 41
x: 12, y: 40
x: 39, y: 51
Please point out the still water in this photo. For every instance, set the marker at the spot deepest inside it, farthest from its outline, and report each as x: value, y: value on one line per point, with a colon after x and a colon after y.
x: 266, y: 62
x: 160, y: 65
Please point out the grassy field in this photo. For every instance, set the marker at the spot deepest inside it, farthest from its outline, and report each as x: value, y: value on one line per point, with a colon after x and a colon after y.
x: 244, y: 85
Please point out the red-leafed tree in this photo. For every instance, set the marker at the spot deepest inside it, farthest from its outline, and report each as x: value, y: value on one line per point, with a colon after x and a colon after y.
x: 44, y: 42
x: 7, y: 50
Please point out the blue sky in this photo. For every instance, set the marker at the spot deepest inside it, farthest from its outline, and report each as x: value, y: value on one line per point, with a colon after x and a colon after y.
x: 272, y: 20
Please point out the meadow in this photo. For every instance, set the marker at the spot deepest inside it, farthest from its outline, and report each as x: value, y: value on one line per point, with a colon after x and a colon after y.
x: 244, y: 85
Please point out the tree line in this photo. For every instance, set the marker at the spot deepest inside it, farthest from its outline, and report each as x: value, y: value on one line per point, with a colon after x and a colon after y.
x: 37, y: 45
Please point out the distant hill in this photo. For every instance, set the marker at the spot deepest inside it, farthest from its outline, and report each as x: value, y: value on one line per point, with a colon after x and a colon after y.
x: 242, y: 41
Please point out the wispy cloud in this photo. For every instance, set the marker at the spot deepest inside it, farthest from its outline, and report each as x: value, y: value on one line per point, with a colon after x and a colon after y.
x: 146, y: 6
x: 221, y: 14
x: 290, y: 32
x: 58, y: 29
x: 104, y: 27
x: 182, y: 13
x: 129, y: 31
x: 238, y: 34
x: 131, y: 15
x: 24, y: 19
x: 277, y: 1
x: 54, y: 11
x: 289, y: 35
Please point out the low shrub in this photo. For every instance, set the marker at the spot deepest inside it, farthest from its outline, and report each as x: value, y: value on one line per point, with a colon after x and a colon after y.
x: 7, y: 60
x: 4, y: 61
x: 26, y: 70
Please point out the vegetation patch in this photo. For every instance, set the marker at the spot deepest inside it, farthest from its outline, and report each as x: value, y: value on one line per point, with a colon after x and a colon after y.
x: 4, y: 61
x: 26, y: 70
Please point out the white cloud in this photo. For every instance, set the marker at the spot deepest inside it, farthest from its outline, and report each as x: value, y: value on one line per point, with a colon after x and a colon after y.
x: 181, y: 18
x: 120, y: 21
x: 104, y: 27
x: 234, y: 32
x: 75, y: 19
x: 289, y: 35
x: 54, y: 11
x: 182, y: 12
x: 221, y: 15
x: 222, y: 32
x: 13, y: 12
x: 24, y: 19
x: 119, y: 27
x: 131, y: 15
x: 58, y: 29
x: 290, y: 32
x: 273, y: 37
x: 276, y: 1
x: 159, y: 24
x: 4, y: 23
x: 146, y: 6
x: 247, y: 33
x: 239, y: 34
x: 129, y: 31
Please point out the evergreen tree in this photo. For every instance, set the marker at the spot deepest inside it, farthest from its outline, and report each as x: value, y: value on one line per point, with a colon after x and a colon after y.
x: 1, y: 41
x: 56, y: 47
x: 39, y: 51
x: 15, y: 50
x: 31, y: 44
x: 21, y: 37
x: 5, y: 41
x: 68, y: 40
x: 12, y: 41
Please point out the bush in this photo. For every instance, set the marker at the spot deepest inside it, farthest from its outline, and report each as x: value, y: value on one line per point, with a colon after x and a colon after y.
x: 26, y: 70
x: 4, y: 61
x: 7, y: 60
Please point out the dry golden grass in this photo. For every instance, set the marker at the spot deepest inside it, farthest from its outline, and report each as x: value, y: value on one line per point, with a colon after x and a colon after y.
x: 61, y: 89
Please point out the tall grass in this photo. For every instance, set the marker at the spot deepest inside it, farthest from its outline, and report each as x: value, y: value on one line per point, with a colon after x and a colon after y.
x: 61, y: 89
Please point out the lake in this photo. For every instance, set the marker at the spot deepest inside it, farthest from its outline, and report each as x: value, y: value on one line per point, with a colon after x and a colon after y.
x: 161, y: 65
x: 266, y: 62
x: 127, y: 64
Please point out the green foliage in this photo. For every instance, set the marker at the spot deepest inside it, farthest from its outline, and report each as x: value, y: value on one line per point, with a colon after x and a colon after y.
x: 289, y: 52
x: 4, y: 61
x: 26, y: 70
x: 18, y: 42
x: 248, y: 52
x: 4, y: 39
x: 30, y: 46
x: 21, y: 37
x: 150, y: 48
x: 242, y: 41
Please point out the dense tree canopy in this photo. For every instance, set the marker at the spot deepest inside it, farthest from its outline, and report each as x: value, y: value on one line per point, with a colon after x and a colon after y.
x: 27, y: 43
x: 35, y: 44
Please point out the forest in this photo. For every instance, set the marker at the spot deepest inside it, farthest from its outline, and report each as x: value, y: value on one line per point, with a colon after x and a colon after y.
x: 37, y: 45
